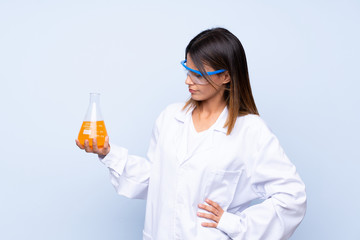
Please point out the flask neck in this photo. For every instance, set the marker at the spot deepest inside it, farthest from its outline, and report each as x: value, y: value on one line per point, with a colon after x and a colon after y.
x: 93, y: 113
x: 95, y: 98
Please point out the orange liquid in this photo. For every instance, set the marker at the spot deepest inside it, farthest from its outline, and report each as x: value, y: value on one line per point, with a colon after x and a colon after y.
x: 90, y: 130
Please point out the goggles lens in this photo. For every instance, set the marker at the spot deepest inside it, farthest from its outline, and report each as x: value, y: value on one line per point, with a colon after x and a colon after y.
x: 196, y: 78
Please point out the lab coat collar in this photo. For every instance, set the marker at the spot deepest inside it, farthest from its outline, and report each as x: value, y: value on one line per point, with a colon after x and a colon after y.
x: 219, y: 124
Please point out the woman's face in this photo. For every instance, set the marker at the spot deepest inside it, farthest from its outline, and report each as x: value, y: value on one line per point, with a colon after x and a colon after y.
x: 200, y: 92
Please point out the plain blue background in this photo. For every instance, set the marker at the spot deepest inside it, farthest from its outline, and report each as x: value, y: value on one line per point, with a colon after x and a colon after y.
x: 303, y: 59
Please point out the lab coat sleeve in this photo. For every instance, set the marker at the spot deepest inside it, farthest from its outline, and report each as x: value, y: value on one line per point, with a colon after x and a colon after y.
x: 274, y: 179
x: 130, y: 174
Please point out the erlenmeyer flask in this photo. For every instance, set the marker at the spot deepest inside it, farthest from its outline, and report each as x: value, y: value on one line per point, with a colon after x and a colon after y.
x: 93, y: 125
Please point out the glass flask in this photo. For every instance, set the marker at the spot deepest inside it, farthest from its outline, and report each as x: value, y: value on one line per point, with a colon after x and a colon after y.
x: 93, y: 125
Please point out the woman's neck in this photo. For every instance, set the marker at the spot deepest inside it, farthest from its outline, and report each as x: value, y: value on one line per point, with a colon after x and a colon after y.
x: 210, y: 107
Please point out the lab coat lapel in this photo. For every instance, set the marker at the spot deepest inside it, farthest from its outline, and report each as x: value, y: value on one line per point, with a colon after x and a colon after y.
x: 182, y: 143
x: 181, y: 136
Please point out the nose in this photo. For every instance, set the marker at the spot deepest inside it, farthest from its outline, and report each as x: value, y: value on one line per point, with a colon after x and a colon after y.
x: 188, y: 80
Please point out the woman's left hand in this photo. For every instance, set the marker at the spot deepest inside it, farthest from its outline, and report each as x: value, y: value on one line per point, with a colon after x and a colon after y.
x: 215, y: 213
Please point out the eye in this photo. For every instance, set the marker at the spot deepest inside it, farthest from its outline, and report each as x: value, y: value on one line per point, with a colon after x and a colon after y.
x: 193, y: 74
x: 197, y: 75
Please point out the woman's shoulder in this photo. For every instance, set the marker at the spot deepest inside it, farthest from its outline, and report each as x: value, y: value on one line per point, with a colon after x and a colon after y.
x: 253, y: 123
x: 251, y: 119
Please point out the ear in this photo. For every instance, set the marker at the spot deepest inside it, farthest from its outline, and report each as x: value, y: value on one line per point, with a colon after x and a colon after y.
x: 226, y: 77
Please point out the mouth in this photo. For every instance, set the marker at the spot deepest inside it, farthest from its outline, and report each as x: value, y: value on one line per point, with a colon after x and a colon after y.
x: 192, y: 90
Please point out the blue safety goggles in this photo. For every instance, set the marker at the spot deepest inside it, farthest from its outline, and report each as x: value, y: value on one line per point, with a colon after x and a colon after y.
x: 199, y: 73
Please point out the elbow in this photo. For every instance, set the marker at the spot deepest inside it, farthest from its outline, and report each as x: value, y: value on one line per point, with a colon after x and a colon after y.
x: 291, y: 205
x: 131, y: 189
x: 297, y: 203
x: 302, y: 203
x: 290, y: 209
x: 296, y: 207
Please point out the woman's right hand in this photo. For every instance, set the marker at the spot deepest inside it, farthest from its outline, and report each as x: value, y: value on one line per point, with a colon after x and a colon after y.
x: 102, y: 152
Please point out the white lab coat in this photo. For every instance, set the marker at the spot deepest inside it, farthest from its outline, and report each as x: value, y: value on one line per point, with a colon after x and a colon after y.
x: 232, y: 170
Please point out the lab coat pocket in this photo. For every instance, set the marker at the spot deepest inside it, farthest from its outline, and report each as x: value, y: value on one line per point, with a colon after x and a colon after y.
x: 221, y: 187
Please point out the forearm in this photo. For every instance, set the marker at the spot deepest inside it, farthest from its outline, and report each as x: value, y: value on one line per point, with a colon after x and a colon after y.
x: 129, y: 174
x: 275, y: 218
x: 268, y: 220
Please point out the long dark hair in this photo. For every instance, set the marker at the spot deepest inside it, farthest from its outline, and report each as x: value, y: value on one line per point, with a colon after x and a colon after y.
x: 220, y: 49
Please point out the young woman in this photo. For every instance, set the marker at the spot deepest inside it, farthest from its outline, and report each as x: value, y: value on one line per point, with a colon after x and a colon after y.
x: 210, y: 157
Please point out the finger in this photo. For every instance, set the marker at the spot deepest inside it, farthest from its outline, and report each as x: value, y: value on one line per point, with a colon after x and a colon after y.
x: 212, y: 225
x: 208, y: 216
x: 209, y: 208
x: 79, y: 144
x: 106, y: 145
x: 95, y: 147
x: 87, y: 147
x: 212, y: 203
x: 218, y: 210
